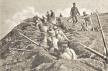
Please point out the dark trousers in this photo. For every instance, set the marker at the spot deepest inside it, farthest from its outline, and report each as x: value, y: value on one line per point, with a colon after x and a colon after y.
x: 74, y: 18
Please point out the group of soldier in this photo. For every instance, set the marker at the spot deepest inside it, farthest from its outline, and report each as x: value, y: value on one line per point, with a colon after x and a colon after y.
x: 52, y: 33
x: 74, y: 14
x: 53, y: 37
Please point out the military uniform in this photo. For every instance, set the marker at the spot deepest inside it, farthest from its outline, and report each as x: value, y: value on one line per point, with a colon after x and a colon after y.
x: 73, y: 13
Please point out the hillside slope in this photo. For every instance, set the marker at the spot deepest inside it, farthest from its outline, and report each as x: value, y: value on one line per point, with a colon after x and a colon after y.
x: 33, y: 57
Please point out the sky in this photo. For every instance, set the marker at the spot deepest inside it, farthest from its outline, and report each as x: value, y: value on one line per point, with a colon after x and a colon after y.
x: 16, y: 10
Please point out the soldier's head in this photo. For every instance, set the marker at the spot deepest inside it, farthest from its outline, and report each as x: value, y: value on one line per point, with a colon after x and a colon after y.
x: 51, y: 10
x: 84, y: 13
x: 43, y: 17
x: 61, y: 15
x: 47, y: 12
x: 55, y: 27
x: 50, y: 28
x: 74, y: 4
x: 63, y: 44
x: 35, y: 17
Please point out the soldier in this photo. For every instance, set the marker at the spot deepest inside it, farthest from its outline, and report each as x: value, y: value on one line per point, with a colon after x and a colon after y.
x: 61, y: 15
x: 59, y: 33
x: 67, y: 53
x: 60, y: 23
x: 48, y: 16
x: 51, y: 34
x: 74, y: 12
x: 43, y: 19
x: 35, y: 19
x: 43, y: 27
x: 86, y: 18
x: 44, y: 32
x: 87, y: 21
x: 52, y: 15
x: 52, y: 41
x: 83, y: 28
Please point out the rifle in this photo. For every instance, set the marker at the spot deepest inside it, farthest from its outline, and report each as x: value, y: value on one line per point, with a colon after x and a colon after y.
x: 19, y: 31
x: 102, y: 34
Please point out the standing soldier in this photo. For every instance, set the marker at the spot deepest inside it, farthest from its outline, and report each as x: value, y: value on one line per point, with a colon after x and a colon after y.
x: 87, y: 20
x: 48, y: 16
x: 61, y: 15
x: 74, y: 12
x: 52, y: 14
x: 35, y: 20
x: 43, y: 19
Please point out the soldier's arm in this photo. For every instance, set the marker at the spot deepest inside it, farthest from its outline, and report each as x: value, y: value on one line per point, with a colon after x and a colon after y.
x: 71, y: 12
x: 61, y: 32
x: 78, y: 11
x: 86, y: 16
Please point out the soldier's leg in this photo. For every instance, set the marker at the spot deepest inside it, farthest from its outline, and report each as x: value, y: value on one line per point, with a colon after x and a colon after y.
x: 83, y: 28
x: 69, y: 18
x: 86, y: 24
x: 73, y: 19
x: 76, y: 20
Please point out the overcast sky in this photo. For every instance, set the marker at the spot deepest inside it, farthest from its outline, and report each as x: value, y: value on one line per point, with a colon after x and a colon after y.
x: 9, y: 7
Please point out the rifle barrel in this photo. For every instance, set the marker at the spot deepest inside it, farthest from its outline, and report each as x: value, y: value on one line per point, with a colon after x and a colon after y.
x: 102, y: 33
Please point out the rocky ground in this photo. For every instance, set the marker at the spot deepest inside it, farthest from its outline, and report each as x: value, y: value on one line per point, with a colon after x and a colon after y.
x: 33, y: 57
